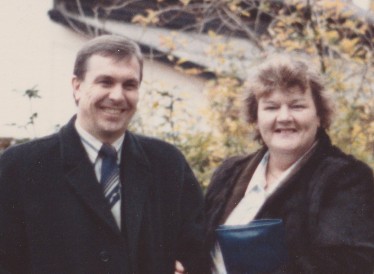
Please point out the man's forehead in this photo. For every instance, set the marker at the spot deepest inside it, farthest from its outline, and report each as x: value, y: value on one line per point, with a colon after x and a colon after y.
x: 99, y: 66
x: 107, y: 58
x: 107, y: 61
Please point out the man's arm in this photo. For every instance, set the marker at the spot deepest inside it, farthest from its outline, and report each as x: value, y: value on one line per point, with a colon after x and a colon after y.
x: 12, y: 236
x: 190, y: 241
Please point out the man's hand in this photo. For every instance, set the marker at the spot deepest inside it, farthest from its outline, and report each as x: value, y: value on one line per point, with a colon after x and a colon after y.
x: 179, y: 269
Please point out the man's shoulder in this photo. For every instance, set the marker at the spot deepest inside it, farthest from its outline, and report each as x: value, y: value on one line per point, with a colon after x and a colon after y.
x: 32, y: 148
x: 153, y: 143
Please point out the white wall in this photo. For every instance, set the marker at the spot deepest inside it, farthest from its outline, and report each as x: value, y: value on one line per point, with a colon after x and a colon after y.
x: 364, y: 4
x: 34, y: 51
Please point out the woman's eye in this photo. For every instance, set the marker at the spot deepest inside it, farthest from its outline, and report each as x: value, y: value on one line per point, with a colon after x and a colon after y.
x: 270, y: 108
x: 298, y: 106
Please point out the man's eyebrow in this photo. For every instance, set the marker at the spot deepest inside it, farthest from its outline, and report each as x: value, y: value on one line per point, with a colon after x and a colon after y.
x: 103, y: 76
x: 130, y: 80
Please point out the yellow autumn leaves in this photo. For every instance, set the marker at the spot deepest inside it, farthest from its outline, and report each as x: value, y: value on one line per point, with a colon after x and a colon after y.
x: 338, y: 40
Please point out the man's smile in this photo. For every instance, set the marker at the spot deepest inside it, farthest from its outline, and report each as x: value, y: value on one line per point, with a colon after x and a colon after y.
x: 113, y: 110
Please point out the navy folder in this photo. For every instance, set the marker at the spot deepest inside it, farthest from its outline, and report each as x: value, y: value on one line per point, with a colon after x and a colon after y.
x: 257, y: 247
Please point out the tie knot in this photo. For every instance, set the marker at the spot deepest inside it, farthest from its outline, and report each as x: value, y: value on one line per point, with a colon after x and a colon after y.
x: 108, y: 151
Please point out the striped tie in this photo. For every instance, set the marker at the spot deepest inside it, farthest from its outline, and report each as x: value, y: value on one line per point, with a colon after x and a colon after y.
x: 110, y: 179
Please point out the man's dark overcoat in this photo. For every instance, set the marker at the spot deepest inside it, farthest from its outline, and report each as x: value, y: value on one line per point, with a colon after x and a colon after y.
x: 327, y: 208
x: 54, y: 218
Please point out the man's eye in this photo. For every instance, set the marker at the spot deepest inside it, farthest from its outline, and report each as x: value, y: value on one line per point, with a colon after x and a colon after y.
x: 105, y: 83
x: 130, y: 86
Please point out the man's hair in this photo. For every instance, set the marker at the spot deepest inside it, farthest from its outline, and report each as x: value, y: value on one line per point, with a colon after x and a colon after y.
x: 286, y: 73
x: 114, y: 46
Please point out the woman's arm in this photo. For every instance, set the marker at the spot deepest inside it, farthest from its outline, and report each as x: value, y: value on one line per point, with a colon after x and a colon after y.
x: 341, y: 223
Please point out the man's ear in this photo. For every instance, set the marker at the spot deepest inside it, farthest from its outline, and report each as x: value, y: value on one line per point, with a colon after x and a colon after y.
x: 76, y: 83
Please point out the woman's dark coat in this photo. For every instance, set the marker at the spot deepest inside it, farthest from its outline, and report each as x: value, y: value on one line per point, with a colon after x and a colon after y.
x: 327, y: 207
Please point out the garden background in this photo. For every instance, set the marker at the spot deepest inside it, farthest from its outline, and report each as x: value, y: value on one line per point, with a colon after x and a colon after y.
x: 337, y: 36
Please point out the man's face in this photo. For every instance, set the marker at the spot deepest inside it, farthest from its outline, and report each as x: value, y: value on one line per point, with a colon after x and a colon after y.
x: 107, y: 97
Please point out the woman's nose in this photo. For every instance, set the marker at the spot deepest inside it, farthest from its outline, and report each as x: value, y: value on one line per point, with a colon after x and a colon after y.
x: 284, y: 113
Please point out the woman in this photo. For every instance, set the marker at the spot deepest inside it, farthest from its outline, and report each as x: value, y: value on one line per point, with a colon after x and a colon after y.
x: 324, y: 197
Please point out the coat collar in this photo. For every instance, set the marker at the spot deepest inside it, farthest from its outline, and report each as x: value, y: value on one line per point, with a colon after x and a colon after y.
x: 80, y: 175
x: 239, y: 183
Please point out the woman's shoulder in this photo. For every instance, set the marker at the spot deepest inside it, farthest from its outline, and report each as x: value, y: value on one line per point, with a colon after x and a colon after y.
x: 229, y: 169
x: 338, y: 159
x: 236, y: 162
x: 233, y: 161
x: 341, y: 170
x: 332, y: 157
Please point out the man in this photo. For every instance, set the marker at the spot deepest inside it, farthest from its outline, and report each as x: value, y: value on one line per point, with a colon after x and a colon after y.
x: 96, y: 198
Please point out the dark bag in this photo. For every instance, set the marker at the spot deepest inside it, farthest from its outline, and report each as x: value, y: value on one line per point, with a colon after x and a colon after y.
x: 253, y: 248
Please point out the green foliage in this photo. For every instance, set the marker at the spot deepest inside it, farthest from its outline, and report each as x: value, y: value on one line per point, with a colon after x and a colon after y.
x: 31, y: 94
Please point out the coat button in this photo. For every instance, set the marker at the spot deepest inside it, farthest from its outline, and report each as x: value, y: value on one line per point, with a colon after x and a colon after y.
x: 104, y: 256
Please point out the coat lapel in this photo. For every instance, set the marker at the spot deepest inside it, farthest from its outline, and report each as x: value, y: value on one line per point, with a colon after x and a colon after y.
x: 136, y: 177
x: 80, y: 175
x: 240, y: 183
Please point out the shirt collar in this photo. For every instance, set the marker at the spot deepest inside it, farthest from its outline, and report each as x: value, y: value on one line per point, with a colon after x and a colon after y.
x: 93, y: 145
x: 258, y: 180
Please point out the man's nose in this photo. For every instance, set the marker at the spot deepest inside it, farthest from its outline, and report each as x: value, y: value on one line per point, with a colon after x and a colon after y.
x: 117, y: 93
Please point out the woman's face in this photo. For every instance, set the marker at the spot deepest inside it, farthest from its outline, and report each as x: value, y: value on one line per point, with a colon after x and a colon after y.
x: 287, y: 121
